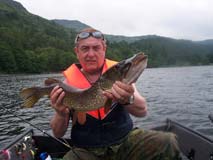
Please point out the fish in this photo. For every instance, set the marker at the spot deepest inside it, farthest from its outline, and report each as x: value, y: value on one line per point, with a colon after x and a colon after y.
x: 92, y: 98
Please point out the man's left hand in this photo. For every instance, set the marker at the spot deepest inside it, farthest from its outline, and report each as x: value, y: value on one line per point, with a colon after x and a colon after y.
x: 120, y: 92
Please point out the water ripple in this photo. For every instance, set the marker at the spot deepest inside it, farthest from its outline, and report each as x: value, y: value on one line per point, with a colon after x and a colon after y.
x: 183, y: 94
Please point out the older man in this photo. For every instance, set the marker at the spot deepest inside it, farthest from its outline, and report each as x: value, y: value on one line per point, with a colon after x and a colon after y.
x: 100, y: 135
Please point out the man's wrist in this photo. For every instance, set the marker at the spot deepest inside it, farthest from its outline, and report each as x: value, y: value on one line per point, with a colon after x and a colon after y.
x: 130, y: 100
x: 62, y: 115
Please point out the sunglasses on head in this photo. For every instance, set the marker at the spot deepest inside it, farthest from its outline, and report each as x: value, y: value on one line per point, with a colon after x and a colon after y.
x: 84, y: 35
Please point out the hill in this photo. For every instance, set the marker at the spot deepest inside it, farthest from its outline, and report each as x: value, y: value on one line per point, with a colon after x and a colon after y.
x: 32, y: 44
x: 72, y: 24
x: 78, y: 26
x: 164, y: 51
x: 29, y: 43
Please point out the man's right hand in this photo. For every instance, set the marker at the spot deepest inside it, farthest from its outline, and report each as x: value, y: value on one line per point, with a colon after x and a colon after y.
x: 56, y: 97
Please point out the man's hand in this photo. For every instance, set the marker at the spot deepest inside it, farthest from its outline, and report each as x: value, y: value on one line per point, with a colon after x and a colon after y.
x: 60, y: 120
x: 120, y: 92
x: 56, y: 97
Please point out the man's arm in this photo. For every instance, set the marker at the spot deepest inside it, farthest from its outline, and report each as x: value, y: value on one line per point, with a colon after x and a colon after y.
x: 60, y: 120
x: 59, y: 125
x: 139, y: 106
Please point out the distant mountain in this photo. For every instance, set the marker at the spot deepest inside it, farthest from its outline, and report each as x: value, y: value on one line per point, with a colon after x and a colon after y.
x: 78, y: 26
x: 73, y: 24
x: 206, y: 42
x: 172, y: 52
x: 128, y: 39
x: 30, y: 43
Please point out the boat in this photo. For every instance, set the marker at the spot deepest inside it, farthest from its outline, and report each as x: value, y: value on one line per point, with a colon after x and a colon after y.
x: 193, y: 145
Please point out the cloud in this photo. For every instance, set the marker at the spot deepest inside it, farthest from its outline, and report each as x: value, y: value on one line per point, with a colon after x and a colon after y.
x: 188, y: 19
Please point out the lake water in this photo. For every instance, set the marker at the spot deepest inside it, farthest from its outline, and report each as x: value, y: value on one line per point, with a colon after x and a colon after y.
x: 184, y: 94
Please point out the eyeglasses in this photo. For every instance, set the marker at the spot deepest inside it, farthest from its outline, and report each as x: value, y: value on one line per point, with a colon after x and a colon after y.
x: 84, y: 35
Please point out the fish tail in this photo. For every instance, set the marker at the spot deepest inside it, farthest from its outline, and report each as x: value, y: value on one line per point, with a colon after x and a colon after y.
x: 30, y: 96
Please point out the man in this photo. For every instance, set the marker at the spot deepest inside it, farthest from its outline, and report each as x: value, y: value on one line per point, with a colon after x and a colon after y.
x: 99, y: 135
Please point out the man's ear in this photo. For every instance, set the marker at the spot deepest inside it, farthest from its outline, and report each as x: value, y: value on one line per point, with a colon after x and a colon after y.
x: 76, y: 51
x: 105, y: 46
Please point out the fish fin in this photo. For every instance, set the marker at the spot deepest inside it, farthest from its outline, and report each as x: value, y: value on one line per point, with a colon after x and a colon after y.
x: 107, y: 105
x: 74, y: 118
x: 50, y: 81
x: 30, y: 96
x: 81, y: 116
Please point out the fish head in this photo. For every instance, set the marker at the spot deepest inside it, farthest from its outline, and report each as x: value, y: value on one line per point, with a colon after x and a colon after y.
x: 127, y: 71
x: 130, y: 69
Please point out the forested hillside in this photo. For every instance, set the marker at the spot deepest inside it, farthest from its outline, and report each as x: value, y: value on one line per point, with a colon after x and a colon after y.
x: 29, y: 43
x: 170, y: 52
x: 72, y: 24
x: 32, y: 44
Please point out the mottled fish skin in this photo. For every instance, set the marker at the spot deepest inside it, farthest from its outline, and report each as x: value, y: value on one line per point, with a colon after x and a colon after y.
x: 82, y: 100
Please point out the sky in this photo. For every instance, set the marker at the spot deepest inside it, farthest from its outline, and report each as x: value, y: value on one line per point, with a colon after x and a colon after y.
x: 179, y: 19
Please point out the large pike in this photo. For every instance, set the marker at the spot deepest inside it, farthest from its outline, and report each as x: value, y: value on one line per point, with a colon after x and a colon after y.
x: 127, y: 71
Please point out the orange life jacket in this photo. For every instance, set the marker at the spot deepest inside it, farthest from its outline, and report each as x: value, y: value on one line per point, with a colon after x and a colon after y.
x: 75, y: 78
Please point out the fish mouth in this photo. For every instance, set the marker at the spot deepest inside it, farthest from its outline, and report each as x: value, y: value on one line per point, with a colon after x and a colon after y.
x: 139, y: 58
x: 133, y: 67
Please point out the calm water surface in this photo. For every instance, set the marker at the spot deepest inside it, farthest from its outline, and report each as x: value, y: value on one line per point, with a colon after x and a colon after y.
x: 184, y: 94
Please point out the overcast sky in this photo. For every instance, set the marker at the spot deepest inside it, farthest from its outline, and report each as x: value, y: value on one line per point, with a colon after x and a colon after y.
x: 181, y: 19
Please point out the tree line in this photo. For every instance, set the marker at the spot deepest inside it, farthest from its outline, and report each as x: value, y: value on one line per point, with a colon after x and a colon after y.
x: 31, y: 44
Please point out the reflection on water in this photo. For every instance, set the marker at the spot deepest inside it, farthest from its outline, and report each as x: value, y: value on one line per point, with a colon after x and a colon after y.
x: 183, y: 94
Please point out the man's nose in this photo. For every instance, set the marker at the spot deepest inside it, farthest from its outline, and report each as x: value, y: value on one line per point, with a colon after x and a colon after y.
x: 91, y: 52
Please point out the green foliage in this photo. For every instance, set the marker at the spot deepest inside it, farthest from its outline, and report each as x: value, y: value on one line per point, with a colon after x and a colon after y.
x: 7, y: 59
x: 210, y: 58
x: 31, y: 44
x: 169, y: 52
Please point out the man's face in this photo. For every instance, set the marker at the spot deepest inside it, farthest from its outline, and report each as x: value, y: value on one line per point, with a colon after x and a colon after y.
x: 91, y: 54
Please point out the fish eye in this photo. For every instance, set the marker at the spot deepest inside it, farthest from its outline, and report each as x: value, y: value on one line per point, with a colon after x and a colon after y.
x: 128, y: 65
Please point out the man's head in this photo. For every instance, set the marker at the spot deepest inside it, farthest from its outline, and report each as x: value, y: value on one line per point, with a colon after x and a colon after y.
x: 90, y: 48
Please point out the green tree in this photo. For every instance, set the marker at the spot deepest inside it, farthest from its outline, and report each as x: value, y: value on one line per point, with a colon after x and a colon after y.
x: 7, y: 59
